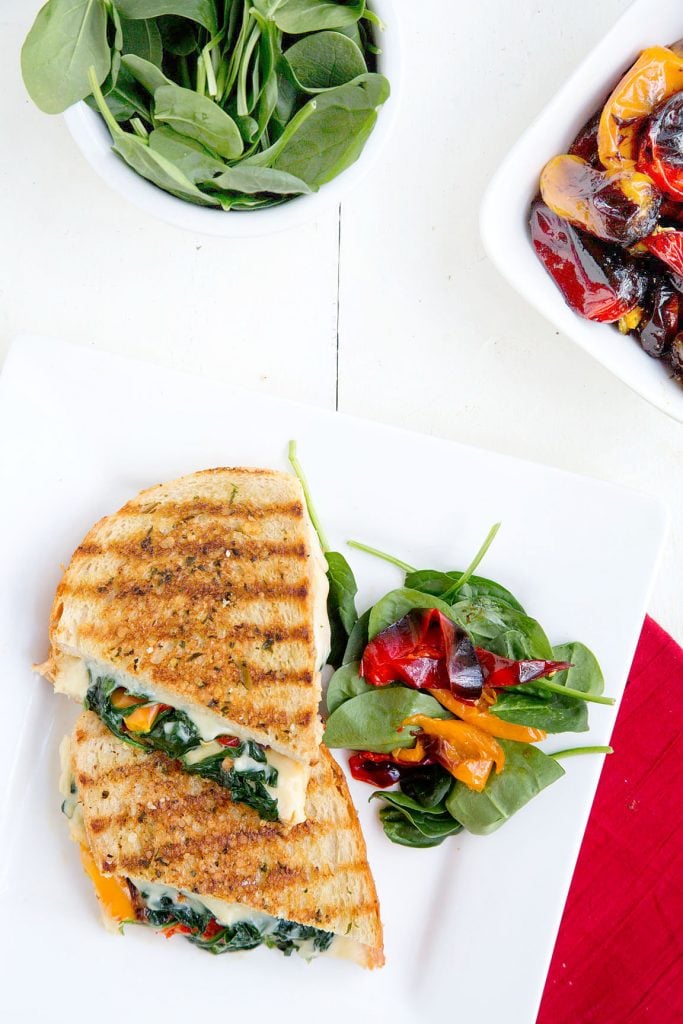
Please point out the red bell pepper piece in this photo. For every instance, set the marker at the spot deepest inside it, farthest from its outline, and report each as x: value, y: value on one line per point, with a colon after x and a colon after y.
x: 228, y: 741
x: 668, y: 247
x: 381, y: 770
x: 500, y: 671
x: 425, y: 650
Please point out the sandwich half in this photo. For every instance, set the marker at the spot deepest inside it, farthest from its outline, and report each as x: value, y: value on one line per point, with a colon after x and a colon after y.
x: 193, y: 622
x: 173, y: 851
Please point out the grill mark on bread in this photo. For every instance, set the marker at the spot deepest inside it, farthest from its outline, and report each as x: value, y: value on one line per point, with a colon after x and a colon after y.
x: 241, y: 548
x: 187, y: 510
x: 194, y: 589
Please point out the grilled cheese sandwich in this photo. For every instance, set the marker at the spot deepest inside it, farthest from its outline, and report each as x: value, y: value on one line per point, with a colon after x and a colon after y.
x: 196, y: 614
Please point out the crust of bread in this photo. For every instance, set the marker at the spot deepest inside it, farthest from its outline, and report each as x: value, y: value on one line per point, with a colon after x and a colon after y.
x: 146, y: 818
x: 213, y: 588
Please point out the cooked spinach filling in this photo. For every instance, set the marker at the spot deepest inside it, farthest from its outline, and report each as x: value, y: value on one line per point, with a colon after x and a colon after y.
x: 175, y: 734
x: 206, y: 933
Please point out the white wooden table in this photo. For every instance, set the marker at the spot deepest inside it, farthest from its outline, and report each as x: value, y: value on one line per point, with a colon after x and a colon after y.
x: 386, y: 308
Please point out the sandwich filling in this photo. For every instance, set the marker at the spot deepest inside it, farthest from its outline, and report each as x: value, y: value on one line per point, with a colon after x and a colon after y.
x: 273, y: 785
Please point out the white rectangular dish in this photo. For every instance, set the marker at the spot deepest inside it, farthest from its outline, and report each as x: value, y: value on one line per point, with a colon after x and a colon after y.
x: 469, y: 926
x: 505, y: 207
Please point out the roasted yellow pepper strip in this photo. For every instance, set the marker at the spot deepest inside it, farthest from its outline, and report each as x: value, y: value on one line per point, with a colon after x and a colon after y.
x: 112, y: 892
x: 409, y: 755
x: 474, y: 774
x: 142, y: 719
x: 463, y: 749
x: 656, y: 75
x: 120, y: 699
x: 487, y: 722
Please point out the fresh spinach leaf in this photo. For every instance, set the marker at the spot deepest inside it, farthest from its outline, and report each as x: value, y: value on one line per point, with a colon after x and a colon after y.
x: 324, y: 60
x: 157, y: 169
x: 428, y: 786
x: 125, y: 98
x: 585, y: 673
x: 195, y: 162
x: 178, y: 35
x: 502, y: 629
x: 287, y: 100
x: 266, y: 179
x: 416, y: 830
x: 143, y: 38
x: 535, y: 705
x: 541, y: 709
x: 341, y: 603
x: 201, y: 11
x: 299, y: 16
x: 358, y: 639
x: 332, y: 138
x: 431, y: 581
x: 344, y: 684
x: 199, y: 118
x: 397, y: 603
x: 403, y: 802
x: 371, y: 720
x: 527, y: 771
x: 143, y: 71
x: 67, y: 38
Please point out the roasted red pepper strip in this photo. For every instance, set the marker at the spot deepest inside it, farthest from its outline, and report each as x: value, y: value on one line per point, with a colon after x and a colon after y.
x: 426, y: 650
x: 499, y: 671
x: 381, y: 770
x: 228, y: 741
x: 667, y: 245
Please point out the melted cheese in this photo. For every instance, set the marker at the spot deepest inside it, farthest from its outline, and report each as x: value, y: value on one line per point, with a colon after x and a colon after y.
x: 73, y: 678
x: 290, y: 792
x: 229, y: 914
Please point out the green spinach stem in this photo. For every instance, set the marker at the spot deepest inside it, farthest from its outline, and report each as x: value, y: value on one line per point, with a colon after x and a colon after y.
x: 462, y: 580
x: 567, y: 691
x: 381, y: 554
x: 301, y: 476
x: 106, y: 113
x: 577, y: 751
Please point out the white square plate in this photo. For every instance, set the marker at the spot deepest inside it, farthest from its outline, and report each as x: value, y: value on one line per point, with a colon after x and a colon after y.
x: 505, y: 208
x: 470, y: 925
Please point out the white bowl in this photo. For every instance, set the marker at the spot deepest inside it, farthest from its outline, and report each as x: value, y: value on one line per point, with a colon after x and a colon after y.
x: 505, y: 208
x: 92, y: 138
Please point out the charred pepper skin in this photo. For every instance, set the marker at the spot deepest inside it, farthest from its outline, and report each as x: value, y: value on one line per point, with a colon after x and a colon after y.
x: 620, y: 207
x: 676, y: 357
x: 658, y: 327
x: 660, y: 154
x: 585, y: 144
x: 598, y: 281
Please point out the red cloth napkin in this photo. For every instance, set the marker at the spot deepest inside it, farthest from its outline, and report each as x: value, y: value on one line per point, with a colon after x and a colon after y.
x: 618, y: 959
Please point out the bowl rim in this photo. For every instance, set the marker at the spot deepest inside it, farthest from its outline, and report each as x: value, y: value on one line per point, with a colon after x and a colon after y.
x: 513, y: 180
x: 93, y: 140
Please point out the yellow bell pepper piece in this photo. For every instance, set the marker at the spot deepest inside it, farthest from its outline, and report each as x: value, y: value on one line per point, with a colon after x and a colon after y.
x: 465, y: 751
x: 120, y: 699
x: 409, y: 755
x: 142, y: 719
x: 656, y: 75
x: 112, y: 892
x: 487, y: 722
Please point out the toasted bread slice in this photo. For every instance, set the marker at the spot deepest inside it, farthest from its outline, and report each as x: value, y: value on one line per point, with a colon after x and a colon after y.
x: 206, y: 594
x: 163, y: 833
